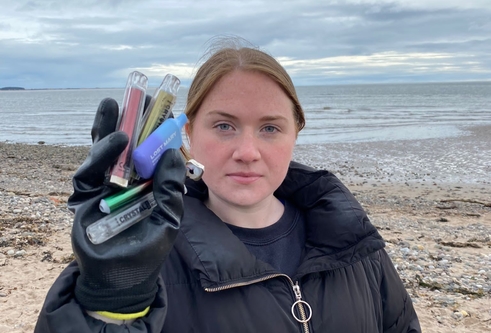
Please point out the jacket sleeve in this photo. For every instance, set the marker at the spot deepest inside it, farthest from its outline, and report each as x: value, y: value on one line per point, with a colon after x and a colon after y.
x: 399, y: 315
x: 62, y: 313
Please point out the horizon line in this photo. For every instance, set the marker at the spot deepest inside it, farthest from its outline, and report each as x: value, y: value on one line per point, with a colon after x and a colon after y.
x: 19, y: 88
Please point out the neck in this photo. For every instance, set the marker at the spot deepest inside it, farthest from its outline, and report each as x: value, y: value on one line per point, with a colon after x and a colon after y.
x: 261, y: 215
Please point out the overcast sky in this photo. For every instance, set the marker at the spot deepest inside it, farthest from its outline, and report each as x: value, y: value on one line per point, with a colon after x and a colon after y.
x: 97, y: 43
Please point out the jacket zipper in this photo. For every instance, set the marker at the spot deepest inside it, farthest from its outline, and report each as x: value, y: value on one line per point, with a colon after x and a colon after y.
x: 301, y: 304
x: 304, y: 318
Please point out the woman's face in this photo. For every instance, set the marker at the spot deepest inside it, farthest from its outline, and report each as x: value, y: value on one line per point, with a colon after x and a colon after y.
x: 244, y: 134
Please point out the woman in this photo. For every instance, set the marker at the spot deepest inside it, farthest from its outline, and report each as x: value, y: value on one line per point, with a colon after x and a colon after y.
x: 261, y: 244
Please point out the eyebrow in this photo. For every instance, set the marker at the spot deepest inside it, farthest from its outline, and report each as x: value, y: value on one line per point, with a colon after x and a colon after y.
x: 232, y: 117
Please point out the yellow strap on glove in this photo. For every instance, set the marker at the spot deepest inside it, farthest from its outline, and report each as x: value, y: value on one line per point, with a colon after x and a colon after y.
x: 124, y: 316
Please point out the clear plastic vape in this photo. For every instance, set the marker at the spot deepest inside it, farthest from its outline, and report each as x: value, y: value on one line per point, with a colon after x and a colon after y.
x: 160, y: 106
x: 129, y: 122
x: 123, y: 218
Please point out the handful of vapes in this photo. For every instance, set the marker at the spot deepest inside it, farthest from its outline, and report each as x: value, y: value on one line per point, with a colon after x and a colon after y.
x: 151, y: 131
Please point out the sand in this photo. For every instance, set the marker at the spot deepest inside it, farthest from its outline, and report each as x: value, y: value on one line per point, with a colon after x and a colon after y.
x: 430, y: 200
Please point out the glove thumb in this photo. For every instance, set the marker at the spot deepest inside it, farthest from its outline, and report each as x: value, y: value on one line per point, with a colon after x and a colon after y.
x: 168, y: 186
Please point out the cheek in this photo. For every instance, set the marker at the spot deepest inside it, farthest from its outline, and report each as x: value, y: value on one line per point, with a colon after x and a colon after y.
x: 195, y: 145
x: 205, y: 151
x: 285, y: 152
x: 280, y: 159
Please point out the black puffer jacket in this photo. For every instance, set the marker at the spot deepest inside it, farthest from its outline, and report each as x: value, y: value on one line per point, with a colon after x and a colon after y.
x: 211, y: 282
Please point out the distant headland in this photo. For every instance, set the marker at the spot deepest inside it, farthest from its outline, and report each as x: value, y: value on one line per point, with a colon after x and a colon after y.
x: 12, y: 88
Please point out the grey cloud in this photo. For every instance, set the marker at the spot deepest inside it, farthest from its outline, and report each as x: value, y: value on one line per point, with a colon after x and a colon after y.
x: 76, y: 44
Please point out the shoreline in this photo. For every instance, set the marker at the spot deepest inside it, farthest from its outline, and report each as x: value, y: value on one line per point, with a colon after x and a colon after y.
x: 423, y: 198
x: 461, y: 132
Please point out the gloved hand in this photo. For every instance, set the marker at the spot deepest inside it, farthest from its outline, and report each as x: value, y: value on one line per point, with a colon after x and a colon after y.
x: 120, y: 275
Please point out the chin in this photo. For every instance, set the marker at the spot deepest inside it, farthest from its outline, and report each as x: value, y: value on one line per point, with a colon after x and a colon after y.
x: 246, y: 201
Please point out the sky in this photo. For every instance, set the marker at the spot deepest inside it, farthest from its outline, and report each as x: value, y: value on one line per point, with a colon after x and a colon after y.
x: 97, y: 43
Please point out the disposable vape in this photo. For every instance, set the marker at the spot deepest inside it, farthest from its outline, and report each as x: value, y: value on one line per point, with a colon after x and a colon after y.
x: 194, y: 169
x: 123, y: 218
x: 167, y: 135
x: 130, y: 206
x: 115, y: 201
x: 129, y: 122
x: 160, y: 106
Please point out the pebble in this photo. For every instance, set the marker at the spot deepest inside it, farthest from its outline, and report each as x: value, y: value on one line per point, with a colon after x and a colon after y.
x: 458, y: 315
x: 405, y: 250
x: 20, y: 253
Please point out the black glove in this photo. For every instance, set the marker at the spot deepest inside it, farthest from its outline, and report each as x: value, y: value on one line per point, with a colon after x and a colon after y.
x: 120, y: 275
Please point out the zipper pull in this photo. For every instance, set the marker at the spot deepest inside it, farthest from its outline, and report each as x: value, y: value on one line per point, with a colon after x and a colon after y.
x: 298, y: 293
x: 301, y: 303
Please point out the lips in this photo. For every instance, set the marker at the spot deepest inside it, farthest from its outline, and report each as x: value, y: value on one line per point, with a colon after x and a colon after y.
x: 244, y: 177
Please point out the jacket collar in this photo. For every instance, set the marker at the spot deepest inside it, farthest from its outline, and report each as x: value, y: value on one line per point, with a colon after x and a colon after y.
x: 338, y: 230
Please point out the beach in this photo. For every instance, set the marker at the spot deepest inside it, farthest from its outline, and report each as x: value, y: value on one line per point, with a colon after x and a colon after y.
x: 430, y: 200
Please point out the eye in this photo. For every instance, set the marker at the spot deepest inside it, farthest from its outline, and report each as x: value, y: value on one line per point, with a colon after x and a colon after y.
x: 224, y: 127
x: 270, y: 129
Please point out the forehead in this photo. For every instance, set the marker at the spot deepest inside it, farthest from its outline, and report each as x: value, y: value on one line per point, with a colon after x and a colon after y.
x: 246, y: 78
x: 247, y: 89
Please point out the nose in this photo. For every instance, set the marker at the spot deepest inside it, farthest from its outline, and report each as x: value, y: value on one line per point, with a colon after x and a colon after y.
x: 246, y: 149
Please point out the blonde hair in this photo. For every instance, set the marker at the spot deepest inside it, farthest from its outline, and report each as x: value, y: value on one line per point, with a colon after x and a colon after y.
x: 227, y: 55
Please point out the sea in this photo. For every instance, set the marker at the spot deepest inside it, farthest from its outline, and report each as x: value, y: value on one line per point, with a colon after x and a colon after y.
x: 334, y: 113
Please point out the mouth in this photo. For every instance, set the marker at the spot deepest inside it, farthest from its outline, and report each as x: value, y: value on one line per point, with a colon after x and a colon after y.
x: 244, y: 177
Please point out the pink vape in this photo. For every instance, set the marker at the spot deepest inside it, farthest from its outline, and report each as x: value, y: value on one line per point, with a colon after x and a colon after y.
x: 129, y: 122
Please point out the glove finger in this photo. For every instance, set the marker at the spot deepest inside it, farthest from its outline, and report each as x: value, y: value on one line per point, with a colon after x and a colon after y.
x: 148, y: 99
x: 101, y: 156
x: 168, y: 186
x: 105, y: 120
